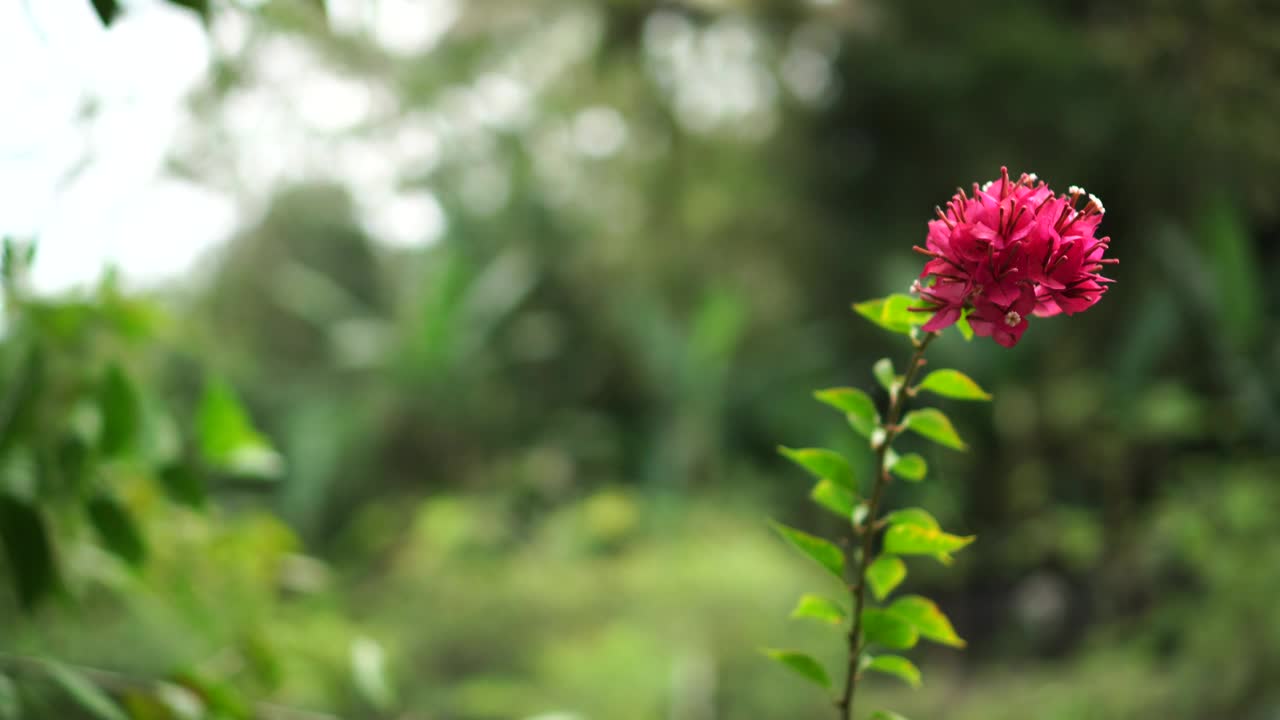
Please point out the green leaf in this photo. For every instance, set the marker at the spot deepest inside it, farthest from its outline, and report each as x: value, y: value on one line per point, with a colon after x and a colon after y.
x: 911, y: 467
x: 802, y: 664
x: 928, y: 620
x: 117, y: 530
x: 183, y: 483
x: 857, y: 406
x: 889, y: 630
x: 932, y: 424
x: 966, y: 330
x: 887, y: 715
x: 885, y: 574
x: 816, y: 607
x: 820, y: 551
x: 822, y: 464
x: 892, y: 313
x: 916, y: 540
x: 953, y: 384
x: 88, y: 696
x: 118, y: 404
x: 912, y: 516
x: 897, y: 666
x: 228, y: 440
x: 200, y: 7
x: 29, y: 552
x: 833, y: 497
x: 883, y: 370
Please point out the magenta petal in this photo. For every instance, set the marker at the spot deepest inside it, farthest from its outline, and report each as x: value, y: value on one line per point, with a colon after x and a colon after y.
x: 944, y: 318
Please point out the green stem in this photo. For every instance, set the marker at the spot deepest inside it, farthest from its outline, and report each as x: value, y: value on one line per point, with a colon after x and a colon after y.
x: 897, y: 401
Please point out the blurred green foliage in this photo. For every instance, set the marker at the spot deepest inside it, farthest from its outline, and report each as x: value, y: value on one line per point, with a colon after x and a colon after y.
x: 522, y: 472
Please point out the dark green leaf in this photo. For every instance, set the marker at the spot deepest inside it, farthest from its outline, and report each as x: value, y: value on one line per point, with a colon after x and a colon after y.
x: 820, y: 551
x: 883, y: 370
x: 833, y: 497
x: 81, y: 689
x: 118, y: 404
x: 911, y: 467
x: 931, y: 623
x: 107, y: 10
x: 183, y: 483
x: 801, y: 664
x: 888, y: 630
x: 816, y: 607
x: 857, y: 406
x: 931, y: 423
x: 953, y: 384
x: 822, y: 464
x: 200, y: 7
x: 897, y: 666
x: 27, y: 547
x: 893, y: 314
x: 117, y: 530
x: 884, y: 574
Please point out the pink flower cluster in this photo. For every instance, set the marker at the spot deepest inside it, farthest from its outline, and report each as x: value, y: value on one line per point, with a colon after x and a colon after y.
x: 1011, y: 250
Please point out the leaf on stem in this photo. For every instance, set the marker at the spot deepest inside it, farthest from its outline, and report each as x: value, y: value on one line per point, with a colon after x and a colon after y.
x: 118, y: 404
x: 934, y: 425
x: 823, y: 464
x: 802, y: 664
x: 883, y: 370
x: 928, y: 620
x: 816, y: 607
x: 953, y: 384
x: 833, y: 497
x: 117, y: 530
x: 893, y: 313
x: 815, y: 548
x: 910, y: 467
x: 885, y: 574
x: 857, y: 406
x: 917, y: 540
x: 888, y: 630
x: 897, y: 666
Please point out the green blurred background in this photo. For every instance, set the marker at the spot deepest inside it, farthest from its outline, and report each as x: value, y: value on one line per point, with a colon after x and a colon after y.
x: 472, y: 411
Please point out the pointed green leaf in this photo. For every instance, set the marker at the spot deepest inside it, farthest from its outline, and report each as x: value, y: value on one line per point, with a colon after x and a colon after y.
x: 116, y: 530
x: 893, y: 313
x: 88, y: 696
x: 931, y: 623
x: 897, y: 666
x: 820, y: 551
x: 966, y: 330
x: 118, y: 404
x: 916, y: 540
x: 883, y: 370
x: 228, y: 439
x: 910, y: 467
x: 953, y: 384
x: 857, y: 406
x: 25, y: 536
x: 801, y: 664
x: 822, y: 464
x: 884, y: 574
x: 888, y: 630
x: 816, y: 607
x: 933, y: 424
x: 833, y: 497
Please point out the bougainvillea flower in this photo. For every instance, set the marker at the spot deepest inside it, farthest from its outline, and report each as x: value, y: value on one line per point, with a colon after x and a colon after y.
x: 1012, y: 250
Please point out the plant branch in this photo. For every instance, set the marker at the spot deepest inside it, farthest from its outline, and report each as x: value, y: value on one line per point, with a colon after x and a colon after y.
x: 897, y: 400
